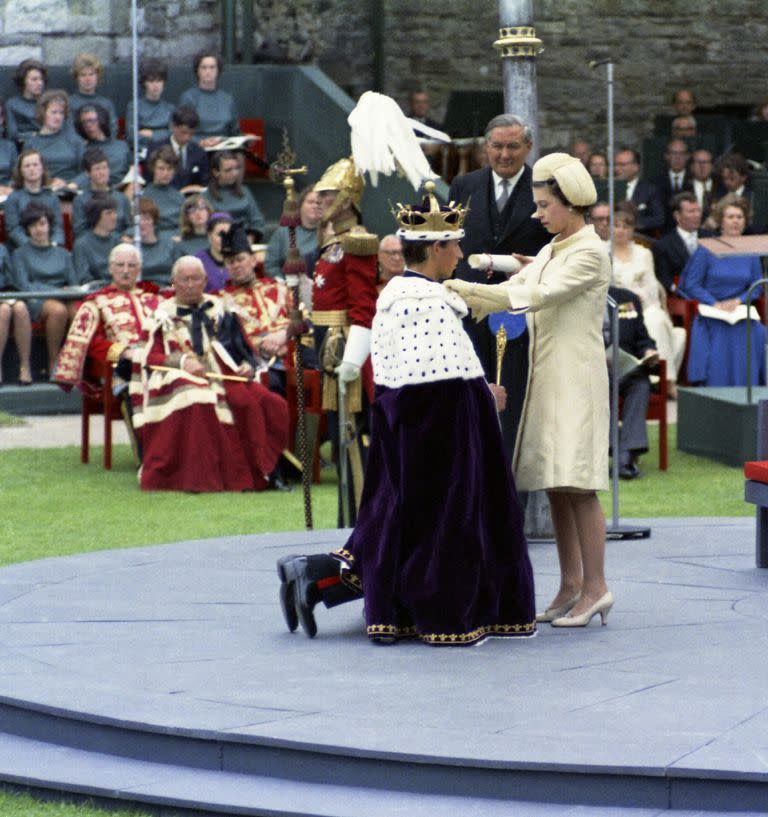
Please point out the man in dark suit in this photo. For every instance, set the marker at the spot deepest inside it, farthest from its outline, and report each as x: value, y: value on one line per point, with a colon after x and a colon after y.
x: 672, y: 251
x: 499, y: 222
x: 703, y: 179
x: 675, y: 178
x: 642, y: 194
x: 192, y: 172
x: 634, y: 385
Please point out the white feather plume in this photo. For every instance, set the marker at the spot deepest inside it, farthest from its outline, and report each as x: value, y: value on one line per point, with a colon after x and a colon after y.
x: 383, y: 141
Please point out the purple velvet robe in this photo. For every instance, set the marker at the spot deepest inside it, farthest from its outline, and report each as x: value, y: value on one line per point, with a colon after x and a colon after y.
x: 438, y: 547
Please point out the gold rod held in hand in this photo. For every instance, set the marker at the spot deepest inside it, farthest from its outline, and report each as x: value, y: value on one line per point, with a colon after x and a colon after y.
x: 501, y: 345
x: 210, y: 375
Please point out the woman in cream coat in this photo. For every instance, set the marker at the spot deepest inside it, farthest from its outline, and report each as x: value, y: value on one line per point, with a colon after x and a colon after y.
x: 562, y: 444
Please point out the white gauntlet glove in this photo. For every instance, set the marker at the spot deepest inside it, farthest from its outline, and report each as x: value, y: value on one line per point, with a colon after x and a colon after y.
x: 356, y: 352
x: 482, y: 299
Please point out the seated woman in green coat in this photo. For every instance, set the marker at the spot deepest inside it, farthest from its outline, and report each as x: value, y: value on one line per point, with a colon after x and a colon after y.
x: 226, y: 192
x: 41, y: 265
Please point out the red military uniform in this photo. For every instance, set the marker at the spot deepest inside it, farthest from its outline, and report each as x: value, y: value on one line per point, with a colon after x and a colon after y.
x: 262, y: 306
x: 344, y: 288
x: 106, y: 323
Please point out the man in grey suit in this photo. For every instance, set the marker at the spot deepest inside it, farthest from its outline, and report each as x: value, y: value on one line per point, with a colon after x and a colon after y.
x: 499, y: 222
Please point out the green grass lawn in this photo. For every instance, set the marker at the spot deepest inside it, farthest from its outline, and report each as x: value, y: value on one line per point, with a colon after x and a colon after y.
x: 22, y: 805
x: 692, y: 486
x: 54, y: 506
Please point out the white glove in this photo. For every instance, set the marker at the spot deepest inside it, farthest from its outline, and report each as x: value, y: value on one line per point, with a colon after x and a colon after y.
x: 356, y: 351
x: 345, y: 373
x: 482, y: 299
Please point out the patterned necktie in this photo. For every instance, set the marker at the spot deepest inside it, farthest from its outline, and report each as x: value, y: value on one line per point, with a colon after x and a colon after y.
x: 200, y: 321
x: 503, y: 198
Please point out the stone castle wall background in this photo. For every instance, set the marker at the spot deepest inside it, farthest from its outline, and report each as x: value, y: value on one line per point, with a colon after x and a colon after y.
x: 718, y: 49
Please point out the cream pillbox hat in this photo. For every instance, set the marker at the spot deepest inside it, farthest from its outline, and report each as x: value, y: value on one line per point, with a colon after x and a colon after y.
x: 571, y: 176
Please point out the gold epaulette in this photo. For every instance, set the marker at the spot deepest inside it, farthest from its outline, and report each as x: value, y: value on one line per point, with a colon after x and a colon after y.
x: 358, y: 241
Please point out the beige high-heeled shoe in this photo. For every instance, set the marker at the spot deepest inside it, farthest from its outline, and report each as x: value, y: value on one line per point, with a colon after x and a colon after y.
x: 602, y: 605
x: 551, y: 613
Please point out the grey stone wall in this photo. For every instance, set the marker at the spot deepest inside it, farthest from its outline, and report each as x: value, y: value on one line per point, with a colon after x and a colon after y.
x: 718, y: 49
x: 55, y: 30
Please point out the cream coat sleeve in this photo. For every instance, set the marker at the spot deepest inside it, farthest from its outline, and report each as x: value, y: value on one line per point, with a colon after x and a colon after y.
x: 580, y: 270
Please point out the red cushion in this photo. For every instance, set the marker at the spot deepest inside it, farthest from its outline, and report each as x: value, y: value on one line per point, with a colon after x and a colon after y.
x: 757, y: 471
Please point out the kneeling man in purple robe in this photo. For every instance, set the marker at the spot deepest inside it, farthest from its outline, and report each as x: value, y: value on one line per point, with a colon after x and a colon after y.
x: 438, y: 551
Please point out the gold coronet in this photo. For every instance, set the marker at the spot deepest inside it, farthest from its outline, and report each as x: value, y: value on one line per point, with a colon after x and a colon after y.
x: 430, y: 220
x: 518, y: 41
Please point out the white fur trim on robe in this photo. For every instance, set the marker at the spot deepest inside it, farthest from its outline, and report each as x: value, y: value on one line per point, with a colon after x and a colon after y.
x: 418, y: 336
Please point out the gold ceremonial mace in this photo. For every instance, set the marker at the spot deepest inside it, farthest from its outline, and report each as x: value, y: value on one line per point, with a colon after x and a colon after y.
x: 501, y: 345
x: 282, y: 172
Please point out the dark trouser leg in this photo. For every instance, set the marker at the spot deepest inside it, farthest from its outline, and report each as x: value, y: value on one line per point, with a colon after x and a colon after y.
x: 307, y: 580
x: 635, y: 388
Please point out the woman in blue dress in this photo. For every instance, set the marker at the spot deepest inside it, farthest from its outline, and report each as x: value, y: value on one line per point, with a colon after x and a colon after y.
x: 718, y: 349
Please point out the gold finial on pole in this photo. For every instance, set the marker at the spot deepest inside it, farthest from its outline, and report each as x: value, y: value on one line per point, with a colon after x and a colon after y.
x: 501, y: 345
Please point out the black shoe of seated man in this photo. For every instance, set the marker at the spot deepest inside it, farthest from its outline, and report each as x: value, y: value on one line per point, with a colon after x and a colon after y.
x: 287, y: 576
x: 305, y: 597
x: 629, y: 471
x: 275, y: 481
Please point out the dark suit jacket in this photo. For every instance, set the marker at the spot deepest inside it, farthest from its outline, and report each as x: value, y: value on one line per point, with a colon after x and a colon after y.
x: 633, y: 334
x: 670, y: 255
x: 195, y: 169
x: 650, y: 209
x: 665, y: 193
x: 516, y: 232
x: 487, y: 230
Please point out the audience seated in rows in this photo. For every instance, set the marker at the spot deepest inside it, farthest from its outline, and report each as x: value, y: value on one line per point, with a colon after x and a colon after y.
x: 154, y: 112
x: 597, y: 165
x: 158, y: 252
x: 672, y: 251
x: 42, y: 265
x: 168, y: 200
x: 60, y: 146
x: 635, y: 385
x: 211, y: 257
x: 226, y: 192
x: 179, y: 393
x: 215, y: 107
x: 717, y: 355
x: 633, y: 270
x: 8, y: 156
x: 675, y: 178
x: 641, y: 193
x: 390, y: 260
x: 96, y: 180
x: 30, y: 78
x: 193, y: 225
x: 310, y: 212
x: 87, y: 72
x: 93, y: 247
x: 192, y: 171
x: 16, y: 314
x: 108, y: 324
x: 31, y: 184
x: 93, y: 126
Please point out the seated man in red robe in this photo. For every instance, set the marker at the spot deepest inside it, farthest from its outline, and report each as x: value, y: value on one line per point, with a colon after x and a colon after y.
x: 262, y: 304
x: 108, y: 324
x: 203, y: 423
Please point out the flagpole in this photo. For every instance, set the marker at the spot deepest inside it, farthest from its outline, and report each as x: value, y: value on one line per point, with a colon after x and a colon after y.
x: 135, y: 123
